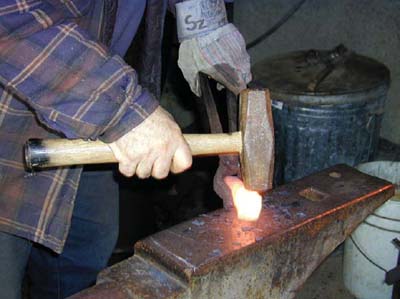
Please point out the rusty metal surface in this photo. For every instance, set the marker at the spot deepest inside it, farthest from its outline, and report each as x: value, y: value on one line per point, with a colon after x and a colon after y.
x: 103, y: 291
x: 218, y: 256
x: 134, y: 278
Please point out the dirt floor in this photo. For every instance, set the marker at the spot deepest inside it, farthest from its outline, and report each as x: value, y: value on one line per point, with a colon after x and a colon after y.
x: 327, y: 281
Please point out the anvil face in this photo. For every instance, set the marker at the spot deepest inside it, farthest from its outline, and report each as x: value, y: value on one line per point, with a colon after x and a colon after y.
x: 218, y: 256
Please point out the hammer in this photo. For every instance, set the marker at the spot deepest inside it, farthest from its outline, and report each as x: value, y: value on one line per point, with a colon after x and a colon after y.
x: 254, y: 143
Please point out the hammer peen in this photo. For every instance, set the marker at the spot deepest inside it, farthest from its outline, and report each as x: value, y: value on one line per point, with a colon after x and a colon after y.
x: 254, y: 143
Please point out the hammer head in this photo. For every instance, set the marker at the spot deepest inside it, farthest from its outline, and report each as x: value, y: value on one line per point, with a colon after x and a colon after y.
x: 256, y: 126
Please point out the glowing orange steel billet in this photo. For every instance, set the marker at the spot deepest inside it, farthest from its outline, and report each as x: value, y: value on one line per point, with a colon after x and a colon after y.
x: 248, y: 203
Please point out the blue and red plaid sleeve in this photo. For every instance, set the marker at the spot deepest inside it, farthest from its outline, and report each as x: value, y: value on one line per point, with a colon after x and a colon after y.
x: 70, y: 81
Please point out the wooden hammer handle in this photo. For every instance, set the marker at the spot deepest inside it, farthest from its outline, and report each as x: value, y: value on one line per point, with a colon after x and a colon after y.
x: 42, y: 153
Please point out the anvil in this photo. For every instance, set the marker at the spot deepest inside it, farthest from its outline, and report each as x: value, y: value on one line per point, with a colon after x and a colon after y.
x: 218, y: 256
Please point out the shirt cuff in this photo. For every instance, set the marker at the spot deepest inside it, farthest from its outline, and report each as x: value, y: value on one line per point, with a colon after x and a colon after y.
x: 136, y: 113
x: 195, y: 18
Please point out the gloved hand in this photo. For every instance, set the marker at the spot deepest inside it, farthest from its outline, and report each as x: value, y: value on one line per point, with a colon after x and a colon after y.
x: 210, y: 45
x: 153, y: 148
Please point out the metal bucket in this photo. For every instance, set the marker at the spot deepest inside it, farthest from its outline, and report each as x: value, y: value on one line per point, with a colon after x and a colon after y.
x: 369, y: 252
x: 326, y: 110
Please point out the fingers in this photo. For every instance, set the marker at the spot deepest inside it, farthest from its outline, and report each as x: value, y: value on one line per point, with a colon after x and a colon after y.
x: 127, y: 169
x: 161, y: 168
x: 158, y: 167
x: 155, y: 166
x: 125, y: 166
x: 144, y: 168
x: 152, y: 148
x: 182, y: 159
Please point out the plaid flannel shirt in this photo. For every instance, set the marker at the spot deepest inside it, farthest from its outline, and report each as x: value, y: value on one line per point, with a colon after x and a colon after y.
x: 56, y: 80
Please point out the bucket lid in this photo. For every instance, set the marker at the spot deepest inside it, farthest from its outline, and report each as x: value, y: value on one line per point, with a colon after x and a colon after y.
x: 321, y: 73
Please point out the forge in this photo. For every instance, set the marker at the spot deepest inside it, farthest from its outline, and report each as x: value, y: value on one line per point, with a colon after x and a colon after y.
x: 216, y: 255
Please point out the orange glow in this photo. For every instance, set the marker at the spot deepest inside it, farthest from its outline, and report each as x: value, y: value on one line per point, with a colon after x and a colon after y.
x: 247, y: 203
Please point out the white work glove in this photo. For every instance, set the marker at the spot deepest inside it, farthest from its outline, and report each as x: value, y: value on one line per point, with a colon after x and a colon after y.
x: 211, y: 45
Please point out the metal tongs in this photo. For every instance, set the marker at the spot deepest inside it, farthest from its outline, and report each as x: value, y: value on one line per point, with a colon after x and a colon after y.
x: 331, y: 60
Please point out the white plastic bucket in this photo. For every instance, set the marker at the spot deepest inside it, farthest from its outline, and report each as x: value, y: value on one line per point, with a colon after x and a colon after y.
x: 369, y: 251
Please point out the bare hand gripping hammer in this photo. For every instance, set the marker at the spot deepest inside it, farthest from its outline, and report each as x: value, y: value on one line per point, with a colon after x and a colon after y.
x: 254, y: 142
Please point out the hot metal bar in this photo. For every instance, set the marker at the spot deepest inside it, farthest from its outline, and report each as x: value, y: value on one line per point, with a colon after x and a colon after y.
x: 218, y: 256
